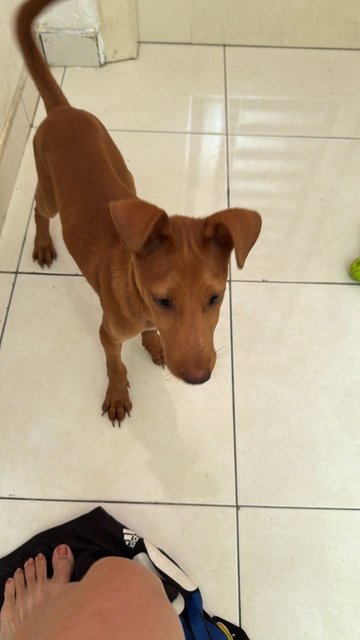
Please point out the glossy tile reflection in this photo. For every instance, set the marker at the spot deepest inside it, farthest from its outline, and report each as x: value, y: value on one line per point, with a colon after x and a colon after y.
x: 169, y: 88
x: 306, y: 192
x: 293, y: 92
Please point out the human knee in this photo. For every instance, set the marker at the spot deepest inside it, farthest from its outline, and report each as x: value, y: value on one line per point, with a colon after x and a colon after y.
x: 121, y: 572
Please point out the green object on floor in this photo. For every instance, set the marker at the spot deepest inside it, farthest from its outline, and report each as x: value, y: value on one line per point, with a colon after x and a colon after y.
x: 355, y: 270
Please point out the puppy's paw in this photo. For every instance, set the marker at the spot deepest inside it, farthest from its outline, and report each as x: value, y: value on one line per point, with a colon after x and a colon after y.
x: 152, y: 343
x: 44, y: 253
x: 117, y: 403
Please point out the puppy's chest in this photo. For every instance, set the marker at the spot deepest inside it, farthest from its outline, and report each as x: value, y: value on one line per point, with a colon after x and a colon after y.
x: 125, y: 327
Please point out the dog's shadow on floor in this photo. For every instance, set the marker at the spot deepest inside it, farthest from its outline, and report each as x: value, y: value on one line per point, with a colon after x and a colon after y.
x: 171, y: 421
x: 174, y: 427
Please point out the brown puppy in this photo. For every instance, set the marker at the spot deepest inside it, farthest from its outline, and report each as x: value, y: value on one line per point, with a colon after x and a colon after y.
x: 162, y: 277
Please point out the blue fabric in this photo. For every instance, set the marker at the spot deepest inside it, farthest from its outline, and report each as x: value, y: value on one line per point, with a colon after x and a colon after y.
x: 197, y: 625
x: 201, y: 629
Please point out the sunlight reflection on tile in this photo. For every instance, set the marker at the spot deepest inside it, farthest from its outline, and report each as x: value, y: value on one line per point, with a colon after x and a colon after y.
x: 299, y: 92
x: 306, y: 191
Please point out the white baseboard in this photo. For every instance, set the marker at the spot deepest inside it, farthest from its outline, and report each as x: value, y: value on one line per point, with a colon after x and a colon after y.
x: 74, y: 48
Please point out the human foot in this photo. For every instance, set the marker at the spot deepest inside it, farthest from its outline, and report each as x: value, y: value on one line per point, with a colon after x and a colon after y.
x: 30, y: 588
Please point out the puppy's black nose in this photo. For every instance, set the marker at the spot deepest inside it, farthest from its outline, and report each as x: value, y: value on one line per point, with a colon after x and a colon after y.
x: 196, y: 376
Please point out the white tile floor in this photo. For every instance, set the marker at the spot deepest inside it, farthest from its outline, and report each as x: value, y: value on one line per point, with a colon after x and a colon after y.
x: 251, y: 482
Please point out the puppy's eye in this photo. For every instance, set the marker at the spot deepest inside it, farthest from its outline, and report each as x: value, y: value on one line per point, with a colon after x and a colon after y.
x: 163, y: 302
x: 215, y: 299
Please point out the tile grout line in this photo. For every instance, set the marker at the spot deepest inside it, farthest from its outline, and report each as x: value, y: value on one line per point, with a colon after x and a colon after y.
x: 48, y: 274
x: 290, y: 136
x: 105, y: 501
x: 297, y: 508
x: 16, y: 273
x: 247, y: 46
x: 183, y: 504
x: 63, y: 77
x: 281, y: 136
x: 167, y: 132
x: 7, y: 310
x: 243, y: 134
x: 293, y: 136
x: 176, y: 133
x: 237, y: 530
x: 233, y: 280
x: 237, y: 508
x: 314, y: 282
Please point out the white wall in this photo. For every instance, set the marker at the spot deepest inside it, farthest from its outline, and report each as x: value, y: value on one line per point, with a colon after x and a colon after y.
x: 10, y: 60
x: 295, y: 23
x: 73, y: 14
x: 17, y: 107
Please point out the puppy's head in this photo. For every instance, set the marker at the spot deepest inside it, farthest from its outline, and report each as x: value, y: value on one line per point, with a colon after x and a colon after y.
x: 181, y: 267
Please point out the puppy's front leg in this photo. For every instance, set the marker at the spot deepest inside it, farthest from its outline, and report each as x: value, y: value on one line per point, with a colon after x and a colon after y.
x: 152, y: 343
x: 44, y: 250
x: 117, y: 402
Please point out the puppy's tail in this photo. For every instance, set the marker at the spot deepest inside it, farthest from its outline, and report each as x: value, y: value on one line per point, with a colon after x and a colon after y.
x: 39, y: 71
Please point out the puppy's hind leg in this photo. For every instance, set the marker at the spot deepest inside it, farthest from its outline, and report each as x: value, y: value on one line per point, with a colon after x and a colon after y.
x: 44, y: 250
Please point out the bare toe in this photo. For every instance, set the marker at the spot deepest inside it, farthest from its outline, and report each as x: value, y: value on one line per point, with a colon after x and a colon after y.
x: 29, y: 569
x: 19, y: 579
x: 9, y: 595
x: 8, y: 614
x: 40, y: 568
x: 63, y: 564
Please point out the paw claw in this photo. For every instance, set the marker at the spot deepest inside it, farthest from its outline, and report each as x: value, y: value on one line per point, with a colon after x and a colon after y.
x: 44, y: 253
x: 116, y: 404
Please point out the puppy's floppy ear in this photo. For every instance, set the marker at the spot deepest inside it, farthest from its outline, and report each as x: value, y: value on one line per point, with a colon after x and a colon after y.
x: 234, y: 229
x: 140, y: 225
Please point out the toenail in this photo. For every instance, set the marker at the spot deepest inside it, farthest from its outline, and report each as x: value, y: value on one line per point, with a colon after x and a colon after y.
x: 62, y: 550
x: 19, y: 570
x: 29, y: 562
x: 9, y: 580
x: 40, y: 556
